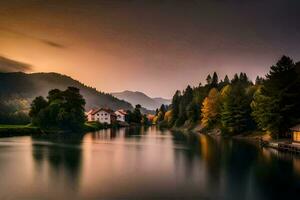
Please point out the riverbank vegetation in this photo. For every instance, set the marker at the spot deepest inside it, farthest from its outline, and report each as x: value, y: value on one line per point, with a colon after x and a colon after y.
x: 62, y: 110
x: 135, y: 117
x: 18, y: 130
x: 270, y: 105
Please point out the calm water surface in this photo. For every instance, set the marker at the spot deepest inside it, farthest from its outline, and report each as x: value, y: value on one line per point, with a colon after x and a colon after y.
x: 143, y: 164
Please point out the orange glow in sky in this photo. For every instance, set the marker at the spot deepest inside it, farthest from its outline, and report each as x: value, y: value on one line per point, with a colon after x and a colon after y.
x: 144, y: 46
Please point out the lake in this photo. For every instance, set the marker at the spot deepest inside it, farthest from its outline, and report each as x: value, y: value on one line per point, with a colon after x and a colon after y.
x: 143, y: 163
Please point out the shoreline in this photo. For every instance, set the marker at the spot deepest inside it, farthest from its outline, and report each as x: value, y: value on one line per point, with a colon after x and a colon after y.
x: 28, y: 130
x: 260, y: 138
x: 18, y: 130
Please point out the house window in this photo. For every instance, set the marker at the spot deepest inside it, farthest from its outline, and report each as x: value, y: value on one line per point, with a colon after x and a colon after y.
x: 296, y: 136
x: 106, y: 119
x: 105, y: 114
x: 97, y: 114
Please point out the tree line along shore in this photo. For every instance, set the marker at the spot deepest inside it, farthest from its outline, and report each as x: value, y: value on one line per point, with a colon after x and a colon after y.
x: 63, y: 111
x: 269, y: 106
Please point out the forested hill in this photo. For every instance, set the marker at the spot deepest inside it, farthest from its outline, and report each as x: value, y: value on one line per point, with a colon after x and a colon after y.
x: 27, y: 86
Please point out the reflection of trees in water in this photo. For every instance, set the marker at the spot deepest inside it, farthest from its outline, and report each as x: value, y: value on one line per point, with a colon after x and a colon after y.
x: 136, y: 131
x: 114, y: 133
x: 227, y: 163
x: 277, y: 174
x: 189, y: 155
x: 239, y: 169
x: 61, y: 154
x: 238, y: 158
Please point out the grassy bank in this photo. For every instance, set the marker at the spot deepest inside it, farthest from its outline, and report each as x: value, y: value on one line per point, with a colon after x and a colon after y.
x: 18, y: 130
x: 21, y: 130
x: 95, y: 126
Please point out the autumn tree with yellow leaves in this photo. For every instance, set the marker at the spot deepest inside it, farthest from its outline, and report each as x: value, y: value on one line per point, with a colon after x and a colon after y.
x: 211, y: 108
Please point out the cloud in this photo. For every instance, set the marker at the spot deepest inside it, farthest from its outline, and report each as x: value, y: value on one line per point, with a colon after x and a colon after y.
x: 42, y: 40
x: 9, y: 65
x: 53, y: 44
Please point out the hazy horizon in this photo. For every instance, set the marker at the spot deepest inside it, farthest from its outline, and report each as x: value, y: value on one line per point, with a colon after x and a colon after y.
x: 154, y: 47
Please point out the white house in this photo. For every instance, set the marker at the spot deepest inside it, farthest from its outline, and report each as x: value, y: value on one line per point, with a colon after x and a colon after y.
x: 121, y: 115
x: 102, y: 115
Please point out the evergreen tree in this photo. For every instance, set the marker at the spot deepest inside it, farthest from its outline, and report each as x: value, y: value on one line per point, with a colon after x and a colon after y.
x: 185, y: 100
x: 259, y: 80
x: 193, y: 112
x: 145, y: 120
x: 227, y: 109
x: 208, y: 79
x: 215, y: 80
x: 136, y: 114
x: 276, y: 107
x: 235, y: 109
x: 175, y: 107
x: 235, y: 79
x: 182, y: 114
x: 226, y: 80
x: 161, y: 113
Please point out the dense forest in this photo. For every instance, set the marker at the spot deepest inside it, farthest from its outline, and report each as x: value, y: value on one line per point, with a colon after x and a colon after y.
x: 271, y: 104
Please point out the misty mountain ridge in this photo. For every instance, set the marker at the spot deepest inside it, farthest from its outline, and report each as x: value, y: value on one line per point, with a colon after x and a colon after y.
x: 141, y: 98
x: 28, y: 86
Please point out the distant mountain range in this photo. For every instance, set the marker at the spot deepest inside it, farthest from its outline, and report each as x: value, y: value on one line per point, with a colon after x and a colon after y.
x: 142, y: 99
x: 28, y: 86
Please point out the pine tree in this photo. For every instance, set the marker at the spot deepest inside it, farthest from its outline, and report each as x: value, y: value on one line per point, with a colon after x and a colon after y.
x: 208, y: 79
x: 185, y: 100
x: 226, y: 80
x: 235, y: 108
x: 161, y: 113
x: 215, y: 80
x: 175, y: 107
x: 259, y: 80
x: 276, y: 107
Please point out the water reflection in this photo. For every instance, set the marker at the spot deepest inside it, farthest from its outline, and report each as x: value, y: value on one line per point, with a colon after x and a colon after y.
x: 58, y: 160
x: 143, y: 163
x: 241, y: 170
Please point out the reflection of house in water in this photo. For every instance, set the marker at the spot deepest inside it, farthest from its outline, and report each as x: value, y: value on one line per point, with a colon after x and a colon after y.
x: 106, y: 134
x: 110, y: 134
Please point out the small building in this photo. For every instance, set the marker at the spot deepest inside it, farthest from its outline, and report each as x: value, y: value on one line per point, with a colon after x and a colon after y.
x: 121, y: 114
x: 296, y: 133
x: 102, y: 115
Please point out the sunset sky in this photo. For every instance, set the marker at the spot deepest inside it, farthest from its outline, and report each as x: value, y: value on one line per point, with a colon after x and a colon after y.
x: 154, y: 46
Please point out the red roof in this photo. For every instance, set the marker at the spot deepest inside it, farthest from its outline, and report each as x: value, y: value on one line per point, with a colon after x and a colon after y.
x: 95, y: 111
x: 123, y: 112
